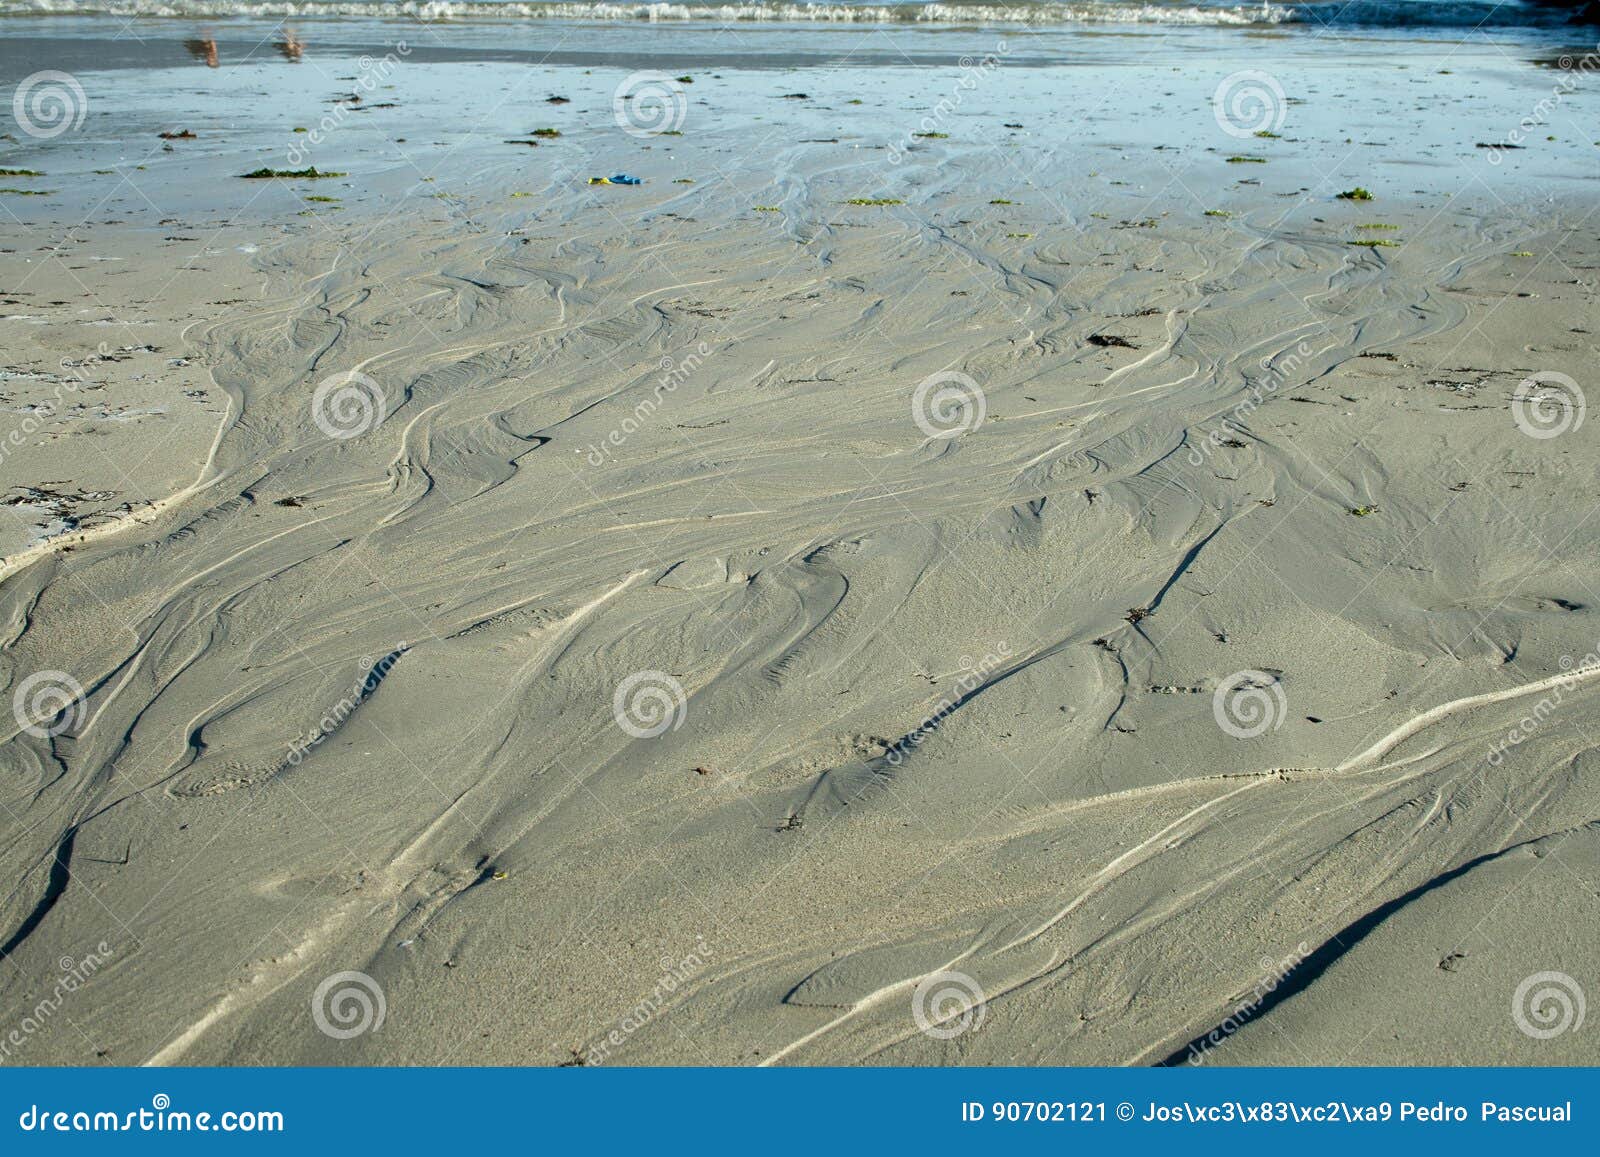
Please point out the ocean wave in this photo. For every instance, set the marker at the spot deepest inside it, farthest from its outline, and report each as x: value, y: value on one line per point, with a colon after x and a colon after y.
x: 1380, y: 13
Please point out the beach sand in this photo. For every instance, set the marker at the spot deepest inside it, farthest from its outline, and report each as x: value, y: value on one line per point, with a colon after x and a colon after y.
x: 1089, y: 610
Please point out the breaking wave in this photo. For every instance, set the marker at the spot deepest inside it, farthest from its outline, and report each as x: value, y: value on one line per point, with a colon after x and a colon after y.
x: 1380, y: 13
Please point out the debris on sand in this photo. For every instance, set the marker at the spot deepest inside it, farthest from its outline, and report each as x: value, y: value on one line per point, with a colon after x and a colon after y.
x: 1111, y: 341
x: 1356, y: 194
x: 309, y: 174
x: 180, y: 135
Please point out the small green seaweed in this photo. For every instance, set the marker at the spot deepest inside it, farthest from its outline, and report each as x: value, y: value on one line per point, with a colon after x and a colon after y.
x: 545, y: 133
x: 1363, y: 511
x: 1019, y: 236
x: 310, y: 174
x: 1218, y: 213
x: 20, y: 173
x: 1523, y: 253
x: 685, y: 80
x: 683, y: 181
x: 932, y: 136
x: 1001, y: 201
x: 1356, y: 194
x: 874, y: 201
x: 1267, y: 135
x: 768, y: 209
x: 1376, y: 243
x: 1247, y: 160
x: 1378, y: 225
x: 27, y: 192
x: 321, y: 200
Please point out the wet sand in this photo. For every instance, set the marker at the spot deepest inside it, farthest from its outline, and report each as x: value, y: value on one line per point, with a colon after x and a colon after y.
x: 1074, y: 611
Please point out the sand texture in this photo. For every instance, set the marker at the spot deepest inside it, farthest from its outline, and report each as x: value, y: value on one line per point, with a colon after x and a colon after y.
x: 662, y: 631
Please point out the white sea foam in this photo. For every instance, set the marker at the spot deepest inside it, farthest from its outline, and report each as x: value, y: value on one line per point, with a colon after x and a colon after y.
x: 1465, y: 13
